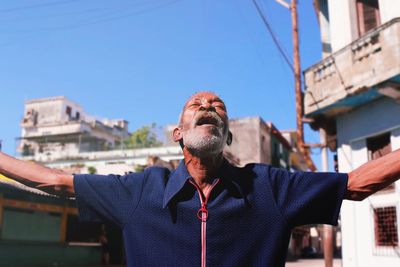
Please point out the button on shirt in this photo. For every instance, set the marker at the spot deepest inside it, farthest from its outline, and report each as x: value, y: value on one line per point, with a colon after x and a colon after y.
x: 251, y: 212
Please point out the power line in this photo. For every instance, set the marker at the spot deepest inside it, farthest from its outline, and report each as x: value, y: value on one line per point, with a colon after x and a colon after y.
x: 103, y: 11
x: 54, y: 15
x: 13, y: 9
x: 104, y: 18
x: 274, y: 38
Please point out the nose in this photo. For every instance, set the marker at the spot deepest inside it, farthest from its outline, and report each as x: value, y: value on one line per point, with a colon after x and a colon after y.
x: 205, y: 105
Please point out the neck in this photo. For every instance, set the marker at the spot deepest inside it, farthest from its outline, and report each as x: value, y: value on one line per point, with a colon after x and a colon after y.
x: 203, y: 169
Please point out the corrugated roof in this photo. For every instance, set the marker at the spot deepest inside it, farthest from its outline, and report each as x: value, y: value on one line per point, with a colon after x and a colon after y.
x: 9, y: 183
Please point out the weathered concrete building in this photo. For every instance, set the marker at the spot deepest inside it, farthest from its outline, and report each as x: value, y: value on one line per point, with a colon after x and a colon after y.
x: 57, y: 127
x: 58, y: 133
x: 255, y: 140
x: 353, y: 93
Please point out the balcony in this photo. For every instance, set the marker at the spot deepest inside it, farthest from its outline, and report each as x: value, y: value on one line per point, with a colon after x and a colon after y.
x: 361, y: 72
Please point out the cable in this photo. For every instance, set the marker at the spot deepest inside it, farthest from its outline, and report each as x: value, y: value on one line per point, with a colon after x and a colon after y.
x: 274, y: 38
x: 7, y: 10
x: 54, y: 15
x: 101, y: 19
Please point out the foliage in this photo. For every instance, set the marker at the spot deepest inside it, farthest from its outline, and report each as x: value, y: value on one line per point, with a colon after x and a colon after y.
x: 138, y: 168
x: 77, y: 165
x: 92, y: 170
x: 143, y: 137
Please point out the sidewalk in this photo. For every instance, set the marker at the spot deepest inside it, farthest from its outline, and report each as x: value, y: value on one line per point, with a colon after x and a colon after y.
x: 299, y: 263
x: 312, y: 263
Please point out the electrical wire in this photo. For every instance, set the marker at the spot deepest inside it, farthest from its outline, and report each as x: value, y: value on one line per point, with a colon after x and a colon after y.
x: 53, y: 15
x: 13, y: 9
x: 103, y: 18
x: 273, y: 35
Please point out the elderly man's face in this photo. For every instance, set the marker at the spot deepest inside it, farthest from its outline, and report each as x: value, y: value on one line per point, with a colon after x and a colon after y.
x: 204, y: 124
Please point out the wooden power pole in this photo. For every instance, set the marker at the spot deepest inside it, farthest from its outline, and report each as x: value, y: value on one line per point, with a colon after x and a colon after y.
x: 299, y: 96
x: 328, y: 233
x: 301, y: 145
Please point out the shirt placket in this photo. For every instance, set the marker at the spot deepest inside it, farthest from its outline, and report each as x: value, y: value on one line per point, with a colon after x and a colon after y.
x: 202, y: 215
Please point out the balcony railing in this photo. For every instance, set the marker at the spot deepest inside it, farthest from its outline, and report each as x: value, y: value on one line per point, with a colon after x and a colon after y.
x: 354, y: 74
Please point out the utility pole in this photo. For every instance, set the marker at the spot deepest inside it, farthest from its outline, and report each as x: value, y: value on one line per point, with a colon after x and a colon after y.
x: 328, y: 231
x: 299, y: 95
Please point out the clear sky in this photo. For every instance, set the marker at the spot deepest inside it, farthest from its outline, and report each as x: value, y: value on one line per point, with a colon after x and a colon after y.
x: 140, y: 60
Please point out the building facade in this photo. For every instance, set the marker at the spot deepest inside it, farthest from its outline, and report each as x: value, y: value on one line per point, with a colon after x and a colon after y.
x: 57, y: 127
x: 353, y: 93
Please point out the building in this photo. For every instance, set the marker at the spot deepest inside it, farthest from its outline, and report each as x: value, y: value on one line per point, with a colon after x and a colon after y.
x: 37, y: 229
x: 57, y: 132
x: 353, y: 94
x: 57, y: 127
x: 255, y: 140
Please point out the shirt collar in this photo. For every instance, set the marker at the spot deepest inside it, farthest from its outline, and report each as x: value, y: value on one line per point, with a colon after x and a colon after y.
x: 180, y: 176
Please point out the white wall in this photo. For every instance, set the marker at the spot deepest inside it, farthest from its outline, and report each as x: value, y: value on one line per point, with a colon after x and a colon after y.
x: 357, y: 221
x: 389, y: 9
x: 343, y: 19
x: 341, y: 16
x: 74, y: 109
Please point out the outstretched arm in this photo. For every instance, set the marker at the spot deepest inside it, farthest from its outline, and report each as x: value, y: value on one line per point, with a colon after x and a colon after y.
x: 373, y: 176
x: 37, y: 176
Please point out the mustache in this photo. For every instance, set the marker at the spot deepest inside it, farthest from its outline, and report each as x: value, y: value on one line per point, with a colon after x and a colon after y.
x: 208, y: 115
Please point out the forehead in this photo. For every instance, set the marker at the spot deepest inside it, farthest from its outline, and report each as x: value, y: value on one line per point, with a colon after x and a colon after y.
x: 204, y: 96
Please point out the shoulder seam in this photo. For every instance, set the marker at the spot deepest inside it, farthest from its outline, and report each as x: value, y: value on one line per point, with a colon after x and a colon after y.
x: 137, y: 204
x: 273, y: 197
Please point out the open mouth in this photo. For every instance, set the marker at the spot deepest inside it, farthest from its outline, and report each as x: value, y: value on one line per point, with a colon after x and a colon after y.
x: 208, y: 120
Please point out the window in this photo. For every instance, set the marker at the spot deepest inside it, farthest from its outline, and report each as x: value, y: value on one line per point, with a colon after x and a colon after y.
x: 368, y: 15
x: 68, y: 111
x: 386, y: 234
x: 275, y: 155
x: 378, y: 146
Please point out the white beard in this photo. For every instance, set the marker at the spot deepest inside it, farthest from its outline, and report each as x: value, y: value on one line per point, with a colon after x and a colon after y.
x: 204, y: 145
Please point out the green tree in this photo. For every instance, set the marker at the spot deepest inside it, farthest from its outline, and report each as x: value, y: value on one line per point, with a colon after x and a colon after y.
x: 143, y: 137
x: 92, y: 170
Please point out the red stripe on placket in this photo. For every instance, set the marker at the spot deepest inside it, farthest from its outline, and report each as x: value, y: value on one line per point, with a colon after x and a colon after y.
x: 202, y: 214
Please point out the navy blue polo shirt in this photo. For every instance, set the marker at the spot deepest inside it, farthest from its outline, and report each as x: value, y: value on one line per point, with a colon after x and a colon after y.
x: 251, y: 212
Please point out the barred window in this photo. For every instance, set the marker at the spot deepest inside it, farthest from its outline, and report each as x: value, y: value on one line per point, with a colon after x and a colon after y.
x: 386, y: 232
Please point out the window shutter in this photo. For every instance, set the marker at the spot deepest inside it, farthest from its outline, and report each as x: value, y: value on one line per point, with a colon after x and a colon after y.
x: 368, y: 15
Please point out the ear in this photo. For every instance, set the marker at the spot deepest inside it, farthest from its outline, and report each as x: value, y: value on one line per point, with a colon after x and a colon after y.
x: 177, y: 134
x: 229, y: 139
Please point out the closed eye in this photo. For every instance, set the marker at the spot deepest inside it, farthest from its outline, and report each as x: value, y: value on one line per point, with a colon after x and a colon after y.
x: 194, y: 105
x: 219, y: 105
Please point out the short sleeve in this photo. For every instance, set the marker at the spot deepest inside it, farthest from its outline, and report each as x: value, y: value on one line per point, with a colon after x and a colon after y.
x: 308, y: 197
x: 107, y: 197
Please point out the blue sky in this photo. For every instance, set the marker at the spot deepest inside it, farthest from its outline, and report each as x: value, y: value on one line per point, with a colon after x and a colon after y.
x: 140, y: 60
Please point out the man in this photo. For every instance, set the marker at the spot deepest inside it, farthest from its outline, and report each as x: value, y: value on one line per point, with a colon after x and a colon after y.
x: 207, y: 212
